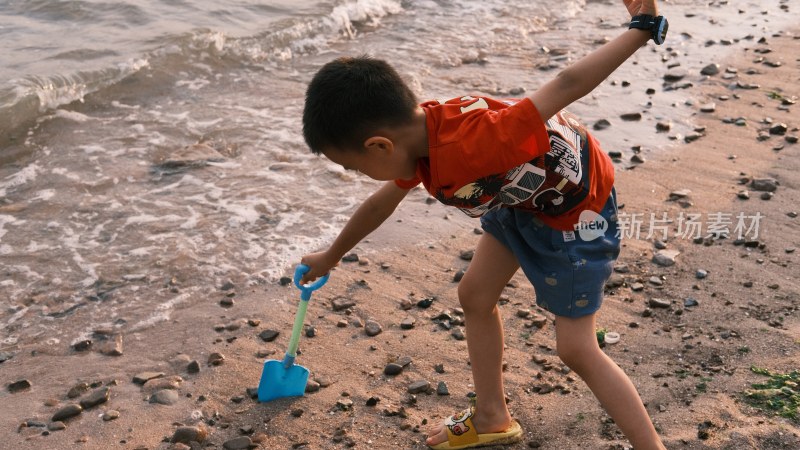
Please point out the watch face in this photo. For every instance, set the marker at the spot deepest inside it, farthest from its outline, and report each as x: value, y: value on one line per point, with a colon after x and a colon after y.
x: 660, y: 32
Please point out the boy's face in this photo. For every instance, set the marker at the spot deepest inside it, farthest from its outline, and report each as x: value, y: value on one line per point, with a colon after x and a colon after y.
x: 374, y: 163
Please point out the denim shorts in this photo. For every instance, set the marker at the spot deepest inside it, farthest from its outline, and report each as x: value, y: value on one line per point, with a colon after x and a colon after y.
x: 568, y: 269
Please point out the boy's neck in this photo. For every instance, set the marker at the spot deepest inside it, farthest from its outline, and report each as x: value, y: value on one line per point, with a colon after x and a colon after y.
x: 416, y: 135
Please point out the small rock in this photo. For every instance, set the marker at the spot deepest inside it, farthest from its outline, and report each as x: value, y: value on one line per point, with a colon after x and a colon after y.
x: 215, y: 359
x: 312, y: 386
x: 82, y: 346
x: 467, y: 255
x: 700, y: 274
x: 708, y: 108
x: 269, y: 335
x: 239, y: 443
x: 419, y: 387
x: 110, y: 415
x: 408, y: 323
x: 97, y: 397
x: 344, y: 404
x: 144, y: 377
x: 690, y: 302
x: 779, y: 129
x: 112, y: 346
x: 226, y: 302
x: 188, y: 434
x: 372, y: 328
x: 659, y: 303
x: 631, y: 117
x: 56, y: 426
x: 372, y: 401
x: 19, y: 386
x: 710, y: 70
x: 392, y: 369
x: 602, y: 124
x: 680, y: 193
x: 458, y: 334
x: 665, y: 258
x: 744, y: 195
x: 165, y: 397
x: 342, y: 303
x: 663, y: 126
x: 193, y: 367
x: 764, y: 184
x: 458, y: 276
x: 66, y: 412
x: 441, y: 389
x: 352, y: 257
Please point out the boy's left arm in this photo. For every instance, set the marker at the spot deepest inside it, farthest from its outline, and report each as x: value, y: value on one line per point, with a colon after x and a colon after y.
x: 581, y: 78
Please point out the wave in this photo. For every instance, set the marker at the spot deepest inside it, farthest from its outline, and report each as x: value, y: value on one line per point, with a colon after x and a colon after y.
x: 23, y: 100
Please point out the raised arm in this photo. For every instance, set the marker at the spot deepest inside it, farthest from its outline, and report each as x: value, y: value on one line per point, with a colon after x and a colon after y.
x: 369, y: 216
x: 581, y: 78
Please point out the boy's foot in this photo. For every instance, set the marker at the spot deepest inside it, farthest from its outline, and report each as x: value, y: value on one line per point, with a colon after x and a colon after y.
x: 467, y: 430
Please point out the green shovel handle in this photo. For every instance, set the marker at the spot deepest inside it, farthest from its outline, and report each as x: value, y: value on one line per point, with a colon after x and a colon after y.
x: 305, y: 296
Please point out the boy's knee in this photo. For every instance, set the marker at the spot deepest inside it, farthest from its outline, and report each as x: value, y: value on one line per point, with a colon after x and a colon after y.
x: 577, y: 357
x: 472, y: 296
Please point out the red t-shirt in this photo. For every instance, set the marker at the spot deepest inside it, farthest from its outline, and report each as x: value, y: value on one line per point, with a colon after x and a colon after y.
x: 486, y: 154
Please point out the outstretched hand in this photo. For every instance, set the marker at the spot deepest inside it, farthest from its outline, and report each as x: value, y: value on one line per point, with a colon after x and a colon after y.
x: 320, y: 264
x: 636, y: 7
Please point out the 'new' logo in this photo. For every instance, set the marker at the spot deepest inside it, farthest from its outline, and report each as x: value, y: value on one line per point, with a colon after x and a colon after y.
x: 591, y: 225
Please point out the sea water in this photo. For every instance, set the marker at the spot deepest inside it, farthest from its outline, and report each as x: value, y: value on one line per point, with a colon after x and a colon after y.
x: 151, y: 150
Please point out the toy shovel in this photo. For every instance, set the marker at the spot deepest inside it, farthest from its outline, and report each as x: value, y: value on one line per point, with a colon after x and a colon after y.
x: 285, y: 378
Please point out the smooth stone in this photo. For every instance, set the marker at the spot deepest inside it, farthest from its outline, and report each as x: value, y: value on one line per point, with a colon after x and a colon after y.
x: 342, y: 303
x: 408, y: 323
x: 659, y: 303
x: 66, y: 412
x: 665, y: 258
x: 110, y: 415
x: 144, y: 377
x: 19, y: 386
x: 392, y: 369
x: 165, y: 397
x: 372, y: 328
x: 700, y: 274
x: 711, y: 69
x: 56, y: 426
x: 193, y: 367
x: 764, y: 184
x: 97, y: 397
x: 216, y: 359
x: 189, y: 434
x: 269, y: 335
x: 631, y: 117
x: 601, y: 124
x: 419, y: 387
x: 239, y: 443
x: 441, y: 389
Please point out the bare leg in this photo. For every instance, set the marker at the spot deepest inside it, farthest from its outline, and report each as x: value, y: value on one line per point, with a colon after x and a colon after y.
x: 491, y: 268
x: 577, y: 346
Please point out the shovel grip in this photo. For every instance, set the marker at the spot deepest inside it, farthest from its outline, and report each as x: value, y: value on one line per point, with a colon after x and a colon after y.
x: 305, y: 296
x: 307, y: 289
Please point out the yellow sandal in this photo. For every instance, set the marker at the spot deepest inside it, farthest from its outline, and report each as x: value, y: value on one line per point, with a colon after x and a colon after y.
x: 461, y: 433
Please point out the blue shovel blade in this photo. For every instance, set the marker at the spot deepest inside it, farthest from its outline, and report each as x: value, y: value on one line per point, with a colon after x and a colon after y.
x: 278, y: 381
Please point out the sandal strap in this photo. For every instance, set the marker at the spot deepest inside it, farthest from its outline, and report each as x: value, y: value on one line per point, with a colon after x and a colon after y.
x: 460, y: 430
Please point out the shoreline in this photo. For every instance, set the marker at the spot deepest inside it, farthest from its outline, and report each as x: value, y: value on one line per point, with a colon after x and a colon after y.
x: 688, y: 362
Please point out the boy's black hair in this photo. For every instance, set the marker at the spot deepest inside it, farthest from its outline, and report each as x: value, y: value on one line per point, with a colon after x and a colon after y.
x: 350, y: 98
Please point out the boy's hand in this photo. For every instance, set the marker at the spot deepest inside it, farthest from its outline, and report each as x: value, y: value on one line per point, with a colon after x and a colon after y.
x: 636, y: 7
x: 319, y: 263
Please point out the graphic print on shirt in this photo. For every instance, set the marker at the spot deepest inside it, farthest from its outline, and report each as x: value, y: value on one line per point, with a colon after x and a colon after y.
x: 550, y: 184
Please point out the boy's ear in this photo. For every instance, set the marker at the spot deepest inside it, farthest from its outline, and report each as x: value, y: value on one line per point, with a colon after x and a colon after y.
x: 379, y: 143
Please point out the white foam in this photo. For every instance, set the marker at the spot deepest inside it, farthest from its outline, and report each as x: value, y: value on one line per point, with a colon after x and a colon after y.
x: 23, y: 176
x: 71, y: 115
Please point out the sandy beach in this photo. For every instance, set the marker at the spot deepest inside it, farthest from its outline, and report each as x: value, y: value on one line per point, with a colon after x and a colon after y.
x: 693, y: 325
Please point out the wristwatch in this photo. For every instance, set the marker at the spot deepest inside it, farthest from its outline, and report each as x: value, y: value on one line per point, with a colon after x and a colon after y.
x: 656, y: 25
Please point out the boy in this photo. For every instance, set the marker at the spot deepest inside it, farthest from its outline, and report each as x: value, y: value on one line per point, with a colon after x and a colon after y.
x: 541, y: 185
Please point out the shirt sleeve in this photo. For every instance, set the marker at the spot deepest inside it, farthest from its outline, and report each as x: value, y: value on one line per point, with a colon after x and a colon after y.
x: 407, y: 184
x: 497, y: 141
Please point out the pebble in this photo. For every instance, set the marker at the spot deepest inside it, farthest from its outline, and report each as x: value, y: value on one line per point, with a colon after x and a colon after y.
x: 711, y: 69
x: 458, y: 276
x: 19, y: 386
x: 659, y: 303
x: 392, y: 369
x: 352, y: 257
x: 408, y: 323
x: 144, y: 377
x: 312, y: 386
x: 226, y: 302
x: 216, y: 358
x: 764, y: 184
x: 419, y: 387
x: 344, y: 404
x: 110, y: 415
x: 164, y: 397
x: 690, y: 302
x: 56, y: 426
x: 631, y: 117
x: 657, y: 281
x: 743, y: 194
x: 98, y: 396
x: 342, y: 303
x: 467, y: 255
x: 601, y: 124
x: 665, y: 258
x: 767, y: 195
x: 779, y: 129
x: 441, y: 389
x: 66, y: 412
x: 708, y: 108
x: 193, y: 367
x: 700, y: 274
x: 458, y: 334
x: 372, y: 328
x: 239, y: 443
x: 637, y: 159
x: 663, y: 126
x: 186, y: 435
x: 269, y: 335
